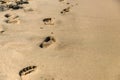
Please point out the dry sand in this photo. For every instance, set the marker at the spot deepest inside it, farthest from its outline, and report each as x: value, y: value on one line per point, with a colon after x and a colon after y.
x: 86, y: 43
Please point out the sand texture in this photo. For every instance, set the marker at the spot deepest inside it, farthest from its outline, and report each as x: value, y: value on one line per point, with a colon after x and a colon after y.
x: 59, y: 40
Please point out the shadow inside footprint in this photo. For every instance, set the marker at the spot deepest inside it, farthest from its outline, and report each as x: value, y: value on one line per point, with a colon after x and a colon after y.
x: 47, y: 42
x: 65, y: 10
x: 11, y: 18
x: 12, y: 4
x: 48, y: 21
x: 27, y: 70
x: 7, y: 15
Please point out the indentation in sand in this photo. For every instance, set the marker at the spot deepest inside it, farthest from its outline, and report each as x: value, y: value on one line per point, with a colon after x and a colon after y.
x: 12, y: 18
x: 47, y: 42
x: 48, y: 21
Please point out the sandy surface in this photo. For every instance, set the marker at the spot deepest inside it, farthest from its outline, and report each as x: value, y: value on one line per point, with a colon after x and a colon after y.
x: 87, y: 41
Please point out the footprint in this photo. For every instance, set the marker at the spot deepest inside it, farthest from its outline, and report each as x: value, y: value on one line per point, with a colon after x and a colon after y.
x: 13, y: 21
x: 3, y: 7
x: 12, y: 18
x: 13, y: 4
x: 66, y: 10
x: 48, y: 21
x: 47, y: 42
x: 27, y: 70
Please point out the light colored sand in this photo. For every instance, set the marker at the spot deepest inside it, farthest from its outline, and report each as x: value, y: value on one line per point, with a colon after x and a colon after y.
x: 87, y: 43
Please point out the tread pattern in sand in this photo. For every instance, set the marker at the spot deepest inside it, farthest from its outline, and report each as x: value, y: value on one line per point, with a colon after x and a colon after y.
x: 27, y: 70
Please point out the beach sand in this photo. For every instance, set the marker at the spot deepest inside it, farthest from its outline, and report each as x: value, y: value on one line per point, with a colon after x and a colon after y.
x: 83, y: 45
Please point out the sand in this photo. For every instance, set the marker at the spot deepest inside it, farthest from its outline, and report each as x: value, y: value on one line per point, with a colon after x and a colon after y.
x: 86, y: 45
